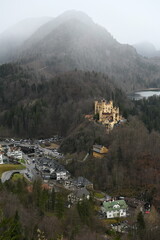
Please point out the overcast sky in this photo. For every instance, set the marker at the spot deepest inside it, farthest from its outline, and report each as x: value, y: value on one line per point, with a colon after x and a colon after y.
x: 129, y: 21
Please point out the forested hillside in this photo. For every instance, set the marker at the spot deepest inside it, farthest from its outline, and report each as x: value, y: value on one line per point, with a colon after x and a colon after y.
x: 148, y: 111
x: 131, y: 167
x: 32, y: 106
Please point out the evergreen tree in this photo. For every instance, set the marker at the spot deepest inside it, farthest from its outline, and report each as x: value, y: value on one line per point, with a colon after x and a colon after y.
x: 59, y: 205
x: 10, y: 228
x: 140, y: 225
x: 44, y: 200
x: 140, y: 221
x: 52, y: 200
x: 85, y: 211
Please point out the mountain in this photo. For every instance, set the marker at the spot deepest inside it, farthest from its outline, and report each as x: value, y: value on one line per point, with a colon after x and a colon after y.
x: 73, y: 41
x: 47, y: 28
x: 146, y: 49
x: 13, y: 37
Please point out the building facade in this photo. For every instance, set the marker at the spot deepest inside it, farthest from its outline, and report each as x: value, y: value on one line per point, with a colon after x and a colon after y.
x: 113, y: 209
x: 108, y: 115
x: 1, y: 158
x: 99, y: 151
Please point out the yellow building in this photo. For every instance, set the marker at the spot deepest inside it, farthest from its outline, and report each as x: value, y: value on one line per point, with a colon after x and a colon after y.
x: 99, y: 151
x: 108, y: 114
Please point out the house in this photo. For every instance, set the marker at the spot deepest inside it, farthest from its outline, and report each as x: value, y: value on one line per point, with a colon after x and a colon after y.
x: 114, y: 209
x: 62, y: 175
x: 1, y: 147
x: 51, y: 169
x: 99, y: 151
x: 14, y: 152
x: 18, y: 154
x: 82, y: 182
x: 78, y: 195
x: 1, y: 158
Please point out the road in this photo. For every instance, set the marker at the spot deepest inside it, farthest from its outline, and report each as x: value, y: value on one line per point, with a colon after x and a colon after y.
x: 7, y: 175
x: 30, y: 171
x: 30, y: 166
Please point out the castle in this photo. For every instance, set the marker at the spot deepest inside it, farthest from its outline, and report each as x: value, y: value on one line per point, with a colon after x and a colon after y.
x: 108, y: 115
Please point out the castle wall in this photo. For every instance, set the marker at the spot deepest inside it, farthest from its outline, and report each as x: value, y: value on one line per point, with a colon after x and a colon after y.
x: 108, y: 115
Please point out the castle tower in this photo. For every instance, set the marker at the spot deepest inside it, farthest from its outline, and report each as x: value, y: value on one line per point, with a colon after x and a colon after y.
x: 108, y: 114
x: 95, y: 107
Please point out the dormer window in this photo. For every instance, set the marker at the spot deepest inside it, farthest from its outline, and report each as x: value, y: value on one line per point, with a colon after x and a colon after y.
x: 116, y: 206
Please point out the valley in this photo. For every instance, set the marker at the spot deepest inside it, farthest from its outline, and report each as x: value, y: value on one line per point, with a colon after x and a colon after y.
x: 91, y: 153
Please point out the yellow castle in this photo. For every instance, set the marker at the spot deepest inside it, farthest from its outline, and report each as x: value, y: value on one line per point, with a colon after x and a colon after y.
x: 108, y: 114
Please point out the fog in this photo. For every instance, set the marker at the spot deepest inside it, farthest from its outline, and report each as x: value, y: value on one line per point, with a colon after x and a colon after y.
x: 128, y: 21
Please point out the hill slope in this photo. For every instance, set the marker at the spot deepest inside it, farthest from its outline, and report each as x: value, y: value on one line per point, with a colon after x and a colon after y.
x: 33, y: 107
x: 73, y: 40
x: 12, y: 38
x: 146, y: 49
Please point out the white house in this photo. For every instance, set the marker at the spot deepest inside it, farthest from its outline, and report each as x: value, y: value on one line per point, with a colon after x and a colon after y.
x: 62, y: 175
x: 114, y: 209
x: 18, y: 154
x: 1, y: 158
x: 15, y: 153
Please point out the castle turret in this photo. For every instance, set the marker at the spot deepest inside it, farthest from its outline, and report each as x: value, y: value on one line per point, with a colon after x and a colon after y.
x: 95, y: 107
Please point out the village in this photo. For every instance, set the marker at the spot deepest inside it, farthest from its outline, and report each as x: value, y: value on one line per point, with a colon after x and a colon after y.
x: 43, y: 161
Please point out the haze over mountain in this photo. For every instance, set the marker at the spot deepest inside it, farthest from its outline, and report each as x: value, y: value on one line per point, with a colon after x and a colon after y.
x: 13, y: 37
x: 73, y: 41
x: 146, y: 49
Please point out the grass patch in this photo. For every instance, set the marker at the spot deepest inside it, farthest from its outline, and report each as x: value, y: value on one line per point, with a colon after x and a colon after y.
x: 53, y: 146
x: 17, y: 176
x: 21, y: 161
x: 8, y: 167
x: 113, y: 220
x: 99, y: 195
x: 110, y: 221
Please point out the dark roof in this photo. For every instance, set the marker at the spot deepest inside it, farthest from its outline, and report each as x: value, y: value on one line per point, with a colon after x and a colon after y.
x: 82, y: 180
x: 83, y: 192
x: 97, y: 146
x: 51, y: 163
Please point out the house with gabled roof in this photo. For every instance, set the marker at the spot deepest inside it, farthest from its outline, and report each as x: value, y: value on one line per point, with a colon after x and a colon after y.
x: 78, y: 195
x: 99, y: 151
x: 112, y: 209
x: 81, y: 182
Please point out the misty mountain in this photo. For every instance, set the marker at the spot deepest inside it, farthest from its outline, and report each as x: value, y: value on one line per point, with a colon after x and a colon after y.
x: 146, y: 49
x: 13, y: 37
x: 47, y: 28
x: 73, y: 41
